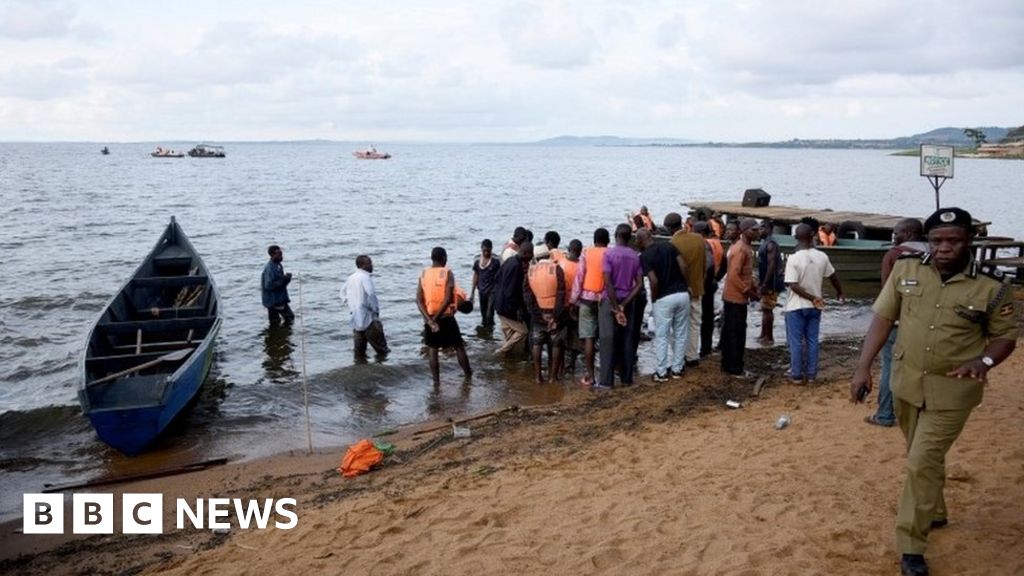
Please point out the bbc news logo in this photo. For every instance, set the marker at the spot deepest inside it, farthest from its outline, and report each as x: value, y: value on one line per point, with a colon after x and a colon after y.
x: 144, y: 513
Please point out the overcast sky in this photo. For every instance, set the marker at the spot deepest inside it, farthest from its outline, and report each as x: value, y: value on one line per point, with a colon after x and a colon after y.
x: 517, y: 70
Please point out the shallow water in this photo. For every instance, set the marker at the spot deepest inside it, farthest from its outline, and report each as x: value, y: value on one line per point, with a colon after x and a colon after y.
x: 77, y: 223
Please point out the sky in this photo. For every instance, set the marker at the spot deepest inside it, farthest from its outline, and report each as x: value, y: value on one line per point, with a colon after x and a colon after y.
x: 506, y: 70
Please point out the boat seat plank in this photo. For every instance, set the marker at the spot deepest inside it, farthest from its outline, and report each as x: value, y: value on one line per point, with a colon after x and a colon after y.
x: 169, y: 281
x: 162, y: 325
x: 171, y: 344
x: 144, y: 356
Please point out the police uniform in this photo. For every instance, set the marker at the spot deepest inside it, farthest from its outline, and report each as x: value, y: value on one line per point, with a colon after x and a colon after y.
x: 942, y: 326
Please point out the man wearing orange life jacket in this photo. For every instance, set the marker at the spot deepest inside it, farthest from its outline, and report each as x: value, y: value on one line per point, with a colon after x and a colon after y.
x: 570, y: 267
x: 545, y: 296
x: 826, y: 236
x: 551, y: 240
x: 587, y: 293
x: 714, y: 272
x: 435, y: 298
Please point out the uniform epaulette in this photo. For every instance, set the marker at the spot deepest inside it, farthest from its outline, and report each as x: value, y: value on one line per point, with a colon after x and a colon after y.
x: 923, y: 257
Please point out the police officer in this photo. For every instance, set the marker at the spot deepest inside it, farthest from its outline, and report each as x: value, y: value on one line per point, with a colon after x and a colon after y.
x: 956, y: 322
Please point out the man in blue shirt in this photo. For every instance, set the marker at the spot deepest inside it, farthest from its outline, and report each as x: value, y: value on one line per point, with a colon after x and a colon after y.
x: 275, y: 288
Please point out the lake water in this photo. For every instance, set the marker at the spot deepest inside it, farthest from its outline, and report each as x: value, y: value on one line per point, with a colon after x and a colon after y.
x: 78, y: 223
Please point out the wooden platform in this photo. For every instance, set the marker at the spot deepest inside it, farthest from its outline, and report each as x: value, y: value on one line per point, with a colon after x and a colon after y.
x: 793, y: 214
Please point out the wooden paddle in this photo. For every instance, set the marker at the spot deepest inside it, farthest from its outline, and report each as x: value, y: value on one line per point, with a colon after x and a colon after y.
x: 169, y: 357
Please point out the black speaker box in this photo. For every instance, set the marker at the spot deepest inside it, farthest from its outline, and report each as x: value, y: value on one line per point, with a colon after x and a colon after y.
x: 756, y: 197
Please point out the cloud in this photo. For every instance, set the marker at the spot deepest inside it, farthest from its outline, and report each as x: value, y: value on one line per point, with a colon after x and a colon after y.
x: 550, y: 35
x: 42, y: 19
x: 781, y: 48
x: 44, y: 81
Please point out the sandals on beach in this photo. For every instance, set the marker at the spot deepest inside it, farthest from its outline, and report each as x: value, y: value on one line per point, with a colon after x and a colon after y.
x: 872, y: 420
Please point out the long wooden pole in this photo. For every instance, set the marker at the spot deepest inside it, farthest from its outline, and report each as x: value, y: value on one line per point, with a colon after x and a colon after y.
x: 305, y: 380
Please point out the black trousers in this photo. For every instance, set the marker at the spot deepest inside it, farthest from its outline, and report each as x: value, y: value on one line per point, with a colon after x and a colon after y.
x: 487, y: 309
x: 276, y: 313
x: 374, y: 336
x: 707, y: 320
x: 616, y: 350
x: 734, y: 337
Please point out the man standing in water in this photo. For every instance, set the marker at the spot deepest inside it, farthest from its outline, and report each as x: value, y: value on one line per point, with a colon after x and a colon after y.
x: 508, y: 298
x: 360, y: 295
x: 956, y: 323
x: 275, y: 288
x: 485, y: 275
x: 435, y: 298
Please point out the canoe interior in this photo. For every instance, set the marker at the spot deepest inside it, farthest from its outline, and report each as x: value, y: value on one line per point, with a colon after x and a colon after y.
x: 169, y: 304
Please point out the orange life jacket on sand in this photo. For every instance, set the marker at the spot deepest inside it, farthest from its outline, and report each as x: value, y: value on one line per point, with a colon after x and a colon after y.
x: 717, y: 252
x: 570, y: 269
x: 593, y: 281
x: 433, y: 281
x: 359, y: 458
x: 826, y: 238
x: 543, y: 281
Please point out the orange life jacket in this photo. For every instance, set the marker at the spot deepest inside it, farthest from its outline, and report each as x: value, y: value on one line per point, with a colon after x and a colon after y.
x: 543, y: 281
x: 648, y: 223
x: 717, y: 252
x: 569, y: 269
x: 593, y: 281
x: 433, y: 281
x: 556, y: 255
x: 826, y: 238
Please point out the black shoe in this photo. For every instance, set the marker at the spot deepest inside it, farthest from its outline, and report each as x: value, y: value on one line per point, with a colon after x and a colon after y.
x: 913, y: 565
x: 692, y: 363
x: 940, y: 523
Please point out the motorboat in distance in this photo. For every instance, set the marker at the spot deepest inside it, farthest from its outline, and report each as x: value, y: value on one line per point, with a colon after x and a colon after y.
x: 161, y: 152
x: 207, y: 151
x: 371, y: 154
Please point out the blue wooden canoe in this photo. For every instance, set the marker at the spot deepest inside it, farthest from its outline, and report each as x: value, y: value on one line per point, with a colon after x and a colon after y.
x: 151, y: 348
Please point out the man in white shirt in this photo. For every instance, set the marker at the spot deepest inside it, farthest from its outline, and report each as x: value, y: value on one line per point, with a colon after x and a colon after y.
x: 806, y: 268
x: 361, y: 297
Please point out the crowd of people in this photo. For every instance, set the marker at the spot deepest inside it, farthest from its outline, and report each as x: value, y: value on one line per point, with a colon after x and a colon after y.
x: 591, y: 301
x: 946, y: 318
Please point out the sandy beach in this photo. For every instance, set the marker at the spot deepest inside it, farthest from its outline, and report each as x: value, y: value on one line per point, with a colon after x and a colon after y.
x: 652, y: 479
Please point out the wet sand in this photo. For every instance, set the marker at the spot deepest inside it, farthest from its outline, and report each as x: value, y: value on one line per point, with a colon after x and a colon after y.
x: 653, y: 479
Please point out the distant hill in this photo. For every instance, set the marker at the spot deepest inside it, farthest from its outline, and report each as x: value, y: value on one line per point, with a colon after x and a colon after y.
x: 949, y: 136
x: 610, y: 141
x: 1015, y: 135
x: 954, y: 136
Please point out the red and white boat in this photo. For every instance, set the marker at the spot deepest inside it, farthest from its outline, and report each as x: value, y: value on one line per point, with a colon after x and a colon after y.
x: 371, y: 154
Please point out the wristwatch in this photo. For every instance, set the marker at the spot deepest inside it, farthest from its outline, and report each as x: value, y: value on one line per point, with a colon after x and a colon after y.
x: 988, y: 361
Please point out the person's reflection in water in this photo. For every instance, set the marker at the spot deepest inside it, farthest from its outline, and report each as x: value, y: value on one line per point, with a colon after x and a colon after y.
x: 277, y: 344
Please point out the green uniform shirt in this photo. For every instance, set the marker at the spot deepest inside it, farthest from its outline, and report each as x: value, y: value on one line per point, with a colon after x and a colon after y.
x: 936, y: 335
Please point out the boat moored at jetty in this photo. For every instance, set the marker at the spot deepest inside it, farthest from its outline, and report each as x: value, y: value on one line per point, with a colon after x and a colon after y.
x: 152, y: 346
